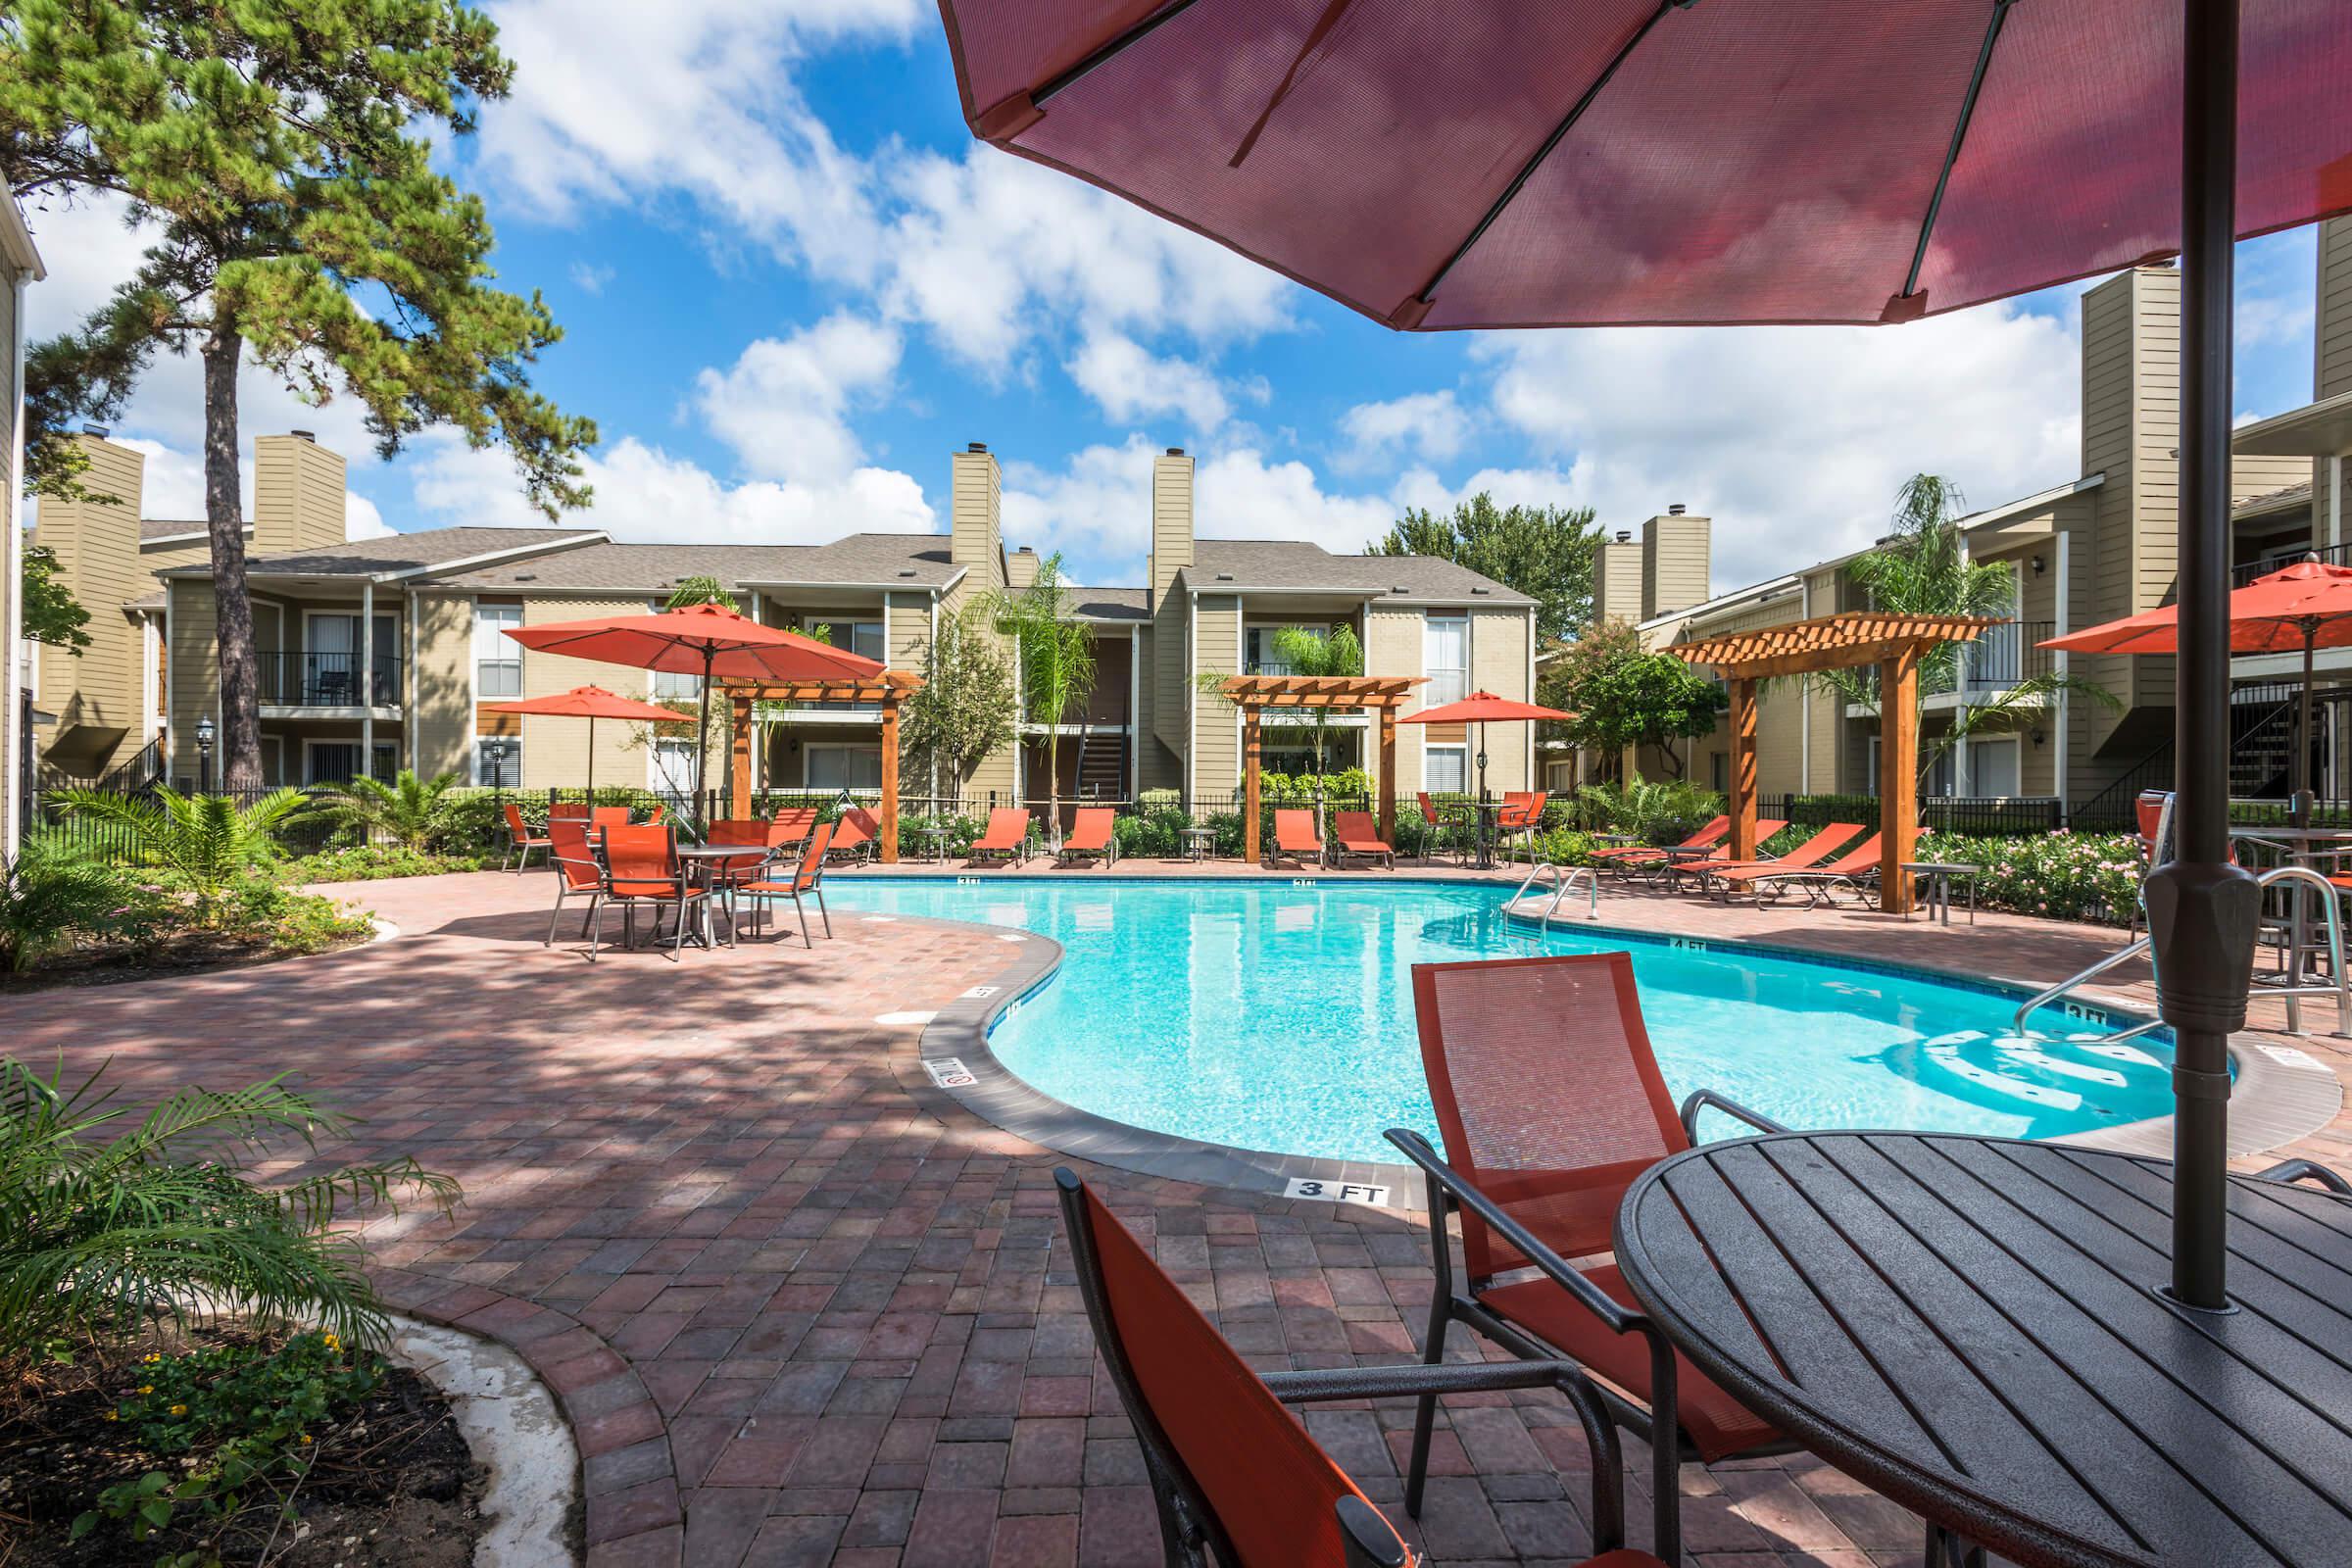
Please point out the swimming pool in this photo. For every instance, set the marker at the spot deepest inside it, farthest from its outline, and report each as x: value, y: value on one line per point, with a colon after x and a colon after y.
x: 1279, y: 1018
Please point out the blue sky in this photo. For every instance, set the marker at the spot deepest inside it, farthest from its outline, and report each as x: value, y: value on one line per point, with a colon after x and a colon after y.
x: 792, y: 285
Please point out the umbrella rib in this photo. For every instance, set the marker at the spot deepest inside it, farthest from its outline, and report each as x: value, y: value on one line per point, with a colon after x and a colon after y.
x: 1109, y: 52
x: 1559, y: 132
x: 1951, y: 155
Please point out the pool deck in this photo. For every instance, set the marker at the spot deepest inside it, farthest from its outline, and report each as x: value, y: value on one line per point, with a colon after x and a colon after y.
x: 802, y: 1307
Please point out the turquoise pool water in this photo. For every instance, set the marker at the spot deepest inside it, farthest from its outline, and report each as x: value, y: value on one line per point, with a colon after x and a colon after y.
x: 1277, y: 1018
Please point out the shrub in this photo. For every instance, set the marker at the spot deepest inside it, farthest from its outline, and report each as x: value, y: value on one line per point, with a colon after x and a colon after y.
x: 101, y: 1227
x: 200, y: 843
x: 262, y: 910
x: 2060, y: 877
x: 1154, y: 832
x: 407, y: 810
x: 1654, y: 812
x: 1561, y: 846
x: 54, y: 897
x: 374, y: 863
x: 961, y: 831
x: 1151, y: 800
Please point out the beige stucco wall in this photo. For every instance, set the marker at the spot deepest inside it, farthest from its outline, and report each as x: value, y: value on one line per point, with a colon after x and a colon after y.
x: 96, y: 695
x: 441, y: 685
x: 555, y: 751
x: 1498, y: 655
x: 1217, y: 730
x: 1395, y: 644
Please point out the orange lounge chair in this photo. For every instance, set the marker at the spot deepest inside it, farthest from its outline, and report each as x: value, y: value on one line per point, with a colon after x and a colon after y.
x: 791, y: 826
x: 1819, y: 884
x: 1294, y: 837
x: 855, y: 835
x: 1667, y: 865
x: 521, y: 840
x: 1628, y: 855
x: 807, y: 881
x: 1092, y: 836
x: 1358, y: 838
x: 1551, y: 1103
x: 1233, y: 1473
x: 1812, y: 851
x: 577, y: 809
x: 1006, y: 839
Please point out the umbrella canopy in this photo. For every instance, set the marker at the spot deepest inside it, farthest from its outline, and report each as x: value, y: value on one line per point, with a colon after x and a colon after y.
x: 589, y: 703
x: 1481, y: 707
x: 1491, y: 163
x: 1629, y: 162
x: 711, y: 641
x: 2303, y: 607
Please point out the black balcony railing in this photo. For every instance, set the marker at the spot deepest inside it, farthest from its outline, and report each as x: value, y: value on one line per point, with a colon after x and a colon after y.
x: 2000, y: 658
x: 330, y: 681
x: 2245, y: 572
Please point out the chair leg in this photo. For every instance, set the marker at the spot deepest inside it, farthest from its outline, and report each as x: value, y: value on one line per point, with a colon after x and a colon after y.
x: 553, y: 919
x: 595, y: 914
x: 802, y: 909
x: 826, y: 914
x: 1425, y: 1410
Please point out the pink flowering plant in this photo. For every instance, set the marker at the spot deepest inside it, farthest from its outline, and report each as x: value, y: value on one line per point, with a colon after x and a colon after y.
x: 2091, y: 877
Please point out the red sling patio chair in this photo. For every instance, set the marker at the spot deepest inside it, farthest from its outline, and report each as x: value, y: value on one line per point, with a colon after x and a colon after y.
x: 1357, y: 837
x: 642, y: 868
x: 1007, y: 840
x: 521, y: 840
x: 1551, y: 1103
x: 727, y: 873
x: 854, y: 834
x: 1436, y: 829
x: 1852, y: 872
x: 1627, y: 856
x: 1236, y: 1474
x: 1812, y: 851
x: 807, y: 881
x: 791, y: 826
x: 1294, y: 838
x: 1520, y: 812
x: 578, y: 872
x: 1092, y: 836
x: 575, y: 810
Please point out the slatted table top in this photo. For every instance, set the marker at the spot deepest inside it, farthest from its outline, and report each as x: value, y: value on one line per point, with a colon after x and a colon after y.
x: 1971, y: 1325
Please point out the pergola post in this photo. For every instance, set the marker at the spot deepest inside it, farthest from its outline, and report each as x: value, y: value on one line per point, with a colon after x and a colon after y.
x: 1388, y: 773
x: 1250, y: 837
x: 1742, y: 804
x: 740, y: 754
x: 890, y: 779
x: 1898, y: 778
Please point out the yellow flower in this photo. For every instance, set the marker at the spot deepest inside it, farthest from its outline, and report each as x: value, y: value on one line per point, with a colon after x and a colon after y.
x: 111, y: 1416
x: 306, y: 1436
x: 151, y: 1359
x: 179, y: 1409
x: 146, y: 1388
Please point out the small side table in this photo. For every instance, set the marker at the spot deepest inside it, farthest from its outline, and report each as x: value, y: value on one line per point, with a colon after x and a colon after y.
x: 1939, y: 875
x: 1197, y: 843
x: 935, y: 841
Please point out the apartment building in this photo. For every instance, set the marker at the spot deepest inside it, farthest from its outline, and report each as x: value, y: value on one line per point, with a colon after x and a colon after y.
x: 2098, y: 547
x: 383, y: 653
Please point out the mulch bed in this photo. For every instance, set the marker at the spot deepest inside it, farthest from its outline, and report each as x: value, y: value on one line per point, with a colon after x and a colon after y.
x: 394, y: 1485
x: 182, y: 955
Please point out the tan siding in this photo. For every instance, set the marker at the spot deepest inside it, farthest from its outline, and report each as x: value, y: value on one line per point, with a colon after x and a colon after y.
x: 2333, y: 337
x: 442, y: 686
x: 1216, y: 737
x: 975, y: 518
x: 1171, y: 554
x: 907, y: 631
x: 97, y: 695
x: 1675, y: 564
x: 555, y: 751
x: 1394, y: 645
x: 195, y: 669
x: 1498, y: 652
x: 298, y: 495
x: 1617, y: 581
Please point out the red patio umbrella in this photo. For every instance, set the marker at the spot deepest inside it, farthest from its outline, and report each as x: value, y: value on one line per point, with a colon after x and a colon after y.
x: 1491, y: 163
x: 589, y: 703
x: 1479, y: 707
x: 2307, y: 606
x: 706, y: 640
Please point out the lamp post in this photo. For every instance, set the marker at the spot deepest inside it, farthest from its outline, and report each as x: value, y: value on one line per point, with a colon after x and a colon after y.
x: 204, y: 755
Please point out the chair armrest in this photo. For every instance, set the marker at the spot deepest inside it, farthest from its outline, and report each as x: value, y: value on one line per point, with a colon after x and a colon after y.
x: 2306, y: 1170
x: 1700, y: 1099
x: 1555, y: 1267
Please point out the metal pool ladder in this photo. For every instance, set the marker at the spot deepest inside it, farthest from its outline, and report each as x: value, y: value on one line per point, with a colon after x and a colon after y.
x: 1564, y: 879
x: 2331, y: 921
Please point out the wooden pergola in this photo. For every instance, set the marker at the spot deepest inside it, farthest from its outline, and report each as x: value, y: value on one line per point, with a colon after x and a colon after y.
x: 1254, y: 694
x: 885, y: 691
x: 1895, y: 643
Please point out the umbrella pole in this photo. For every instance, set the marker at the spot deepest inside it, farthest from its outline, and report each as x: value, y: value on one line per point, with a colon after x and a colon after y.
x: 2303, y: 796
x: 2201, y: 909
x: 702, y: 730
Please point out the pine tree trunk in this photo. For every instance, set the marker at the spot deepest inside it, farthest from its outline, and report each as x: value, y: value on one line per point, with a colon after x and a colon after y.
x: 225, y: 521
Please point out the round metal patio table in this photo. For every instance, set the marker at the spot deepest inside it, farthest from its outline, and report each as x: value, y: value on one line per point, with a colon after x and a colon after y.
x: 1972, y: 1326
x: 1197, y: 843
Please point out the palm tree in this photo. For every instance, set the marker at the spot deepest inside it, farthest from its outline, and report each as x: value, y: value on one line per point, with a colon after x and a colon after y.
x: 204, y: 842
x: 1921, y: 568
x: 1054, y: 656
x: 406, y: 811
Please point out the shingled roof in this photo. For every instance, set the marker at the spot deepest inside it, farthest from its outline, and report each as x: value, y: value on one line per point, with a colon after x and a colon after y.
x: 398, y: 553
x: 864, y: 560
x: 1294, y: 566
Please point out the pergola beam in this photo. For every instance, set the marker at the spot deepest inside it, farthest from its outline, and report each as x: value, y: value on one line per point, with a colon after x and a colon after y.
x: 886, y: 689
x: 1254, y: 694
x: 1895, y: 643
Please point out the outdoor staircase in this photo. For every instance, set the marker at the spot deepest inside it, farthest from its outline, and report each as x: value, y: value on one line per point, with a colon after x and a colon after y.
x: 1102, y: 766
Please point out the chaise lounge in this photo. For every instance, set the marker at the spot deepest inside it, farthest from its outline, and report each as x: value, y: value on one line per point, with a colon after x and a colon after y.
x: 1092, y: 836
x: 1295, y: 839
x: 1006, y: 841
x: 1358, y: 839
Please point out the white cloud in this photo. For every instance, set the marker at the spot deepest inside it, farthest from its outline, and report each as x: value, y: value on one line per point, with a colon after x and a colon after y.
x: 361, y: 517
x: 1128, y: 382
x: 617, y: 102
x: 1793, y: 439
x: 591, y: 280
x: 783, y: 406
x: 1430, y: 423
x: 646, y: 495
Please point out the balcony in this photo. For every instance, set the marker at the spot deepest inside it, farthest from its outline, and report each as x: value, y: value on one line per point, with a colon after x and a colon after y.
x: 2245, y: 572
x: 2002, y: 657
x: 328, y: 681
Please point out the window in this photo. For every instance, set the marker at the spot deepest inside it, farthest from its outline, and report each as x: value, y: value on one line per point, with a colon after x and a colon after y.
x: 675, y: 686
x: 1446, y: 769
x: 1992, y: 767
x: 1445, y: 660
x: 497, y: 657
x: 1257, y: 653
x: 825, y: 765
x: 338, y: 761
x: 498, y: 762
x: 672, y: 764
x: 864, y: 638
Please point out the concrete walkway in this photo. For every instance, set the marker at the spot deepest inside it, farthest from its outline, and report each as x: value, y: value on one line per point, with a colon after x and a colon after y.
x: 801, y: 1309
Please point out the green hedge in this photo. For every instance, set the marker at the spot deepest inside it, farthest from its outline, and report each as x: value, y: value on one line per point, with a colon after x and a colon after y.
x: 2092, y: 878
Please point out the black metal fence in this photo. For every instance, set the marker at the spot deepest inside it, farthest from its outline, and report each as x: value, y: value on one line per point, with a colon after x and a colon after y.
x: 1986, y: 817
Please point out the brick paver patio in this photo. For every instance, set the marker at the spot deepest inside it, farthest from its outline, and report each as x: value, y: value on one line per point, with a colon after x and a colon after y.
x: 802, y: 1308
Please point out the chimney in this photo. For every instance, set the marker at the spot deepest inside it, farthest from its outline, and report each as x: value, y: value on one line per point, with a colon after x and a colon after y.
x: 976, y: 509
x: 1675, y: 562
x: 1020, y: 568
x: 2332, y: 371
x: 1171, y: 520
x: 1617, y: 580
x: 298, y: 494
